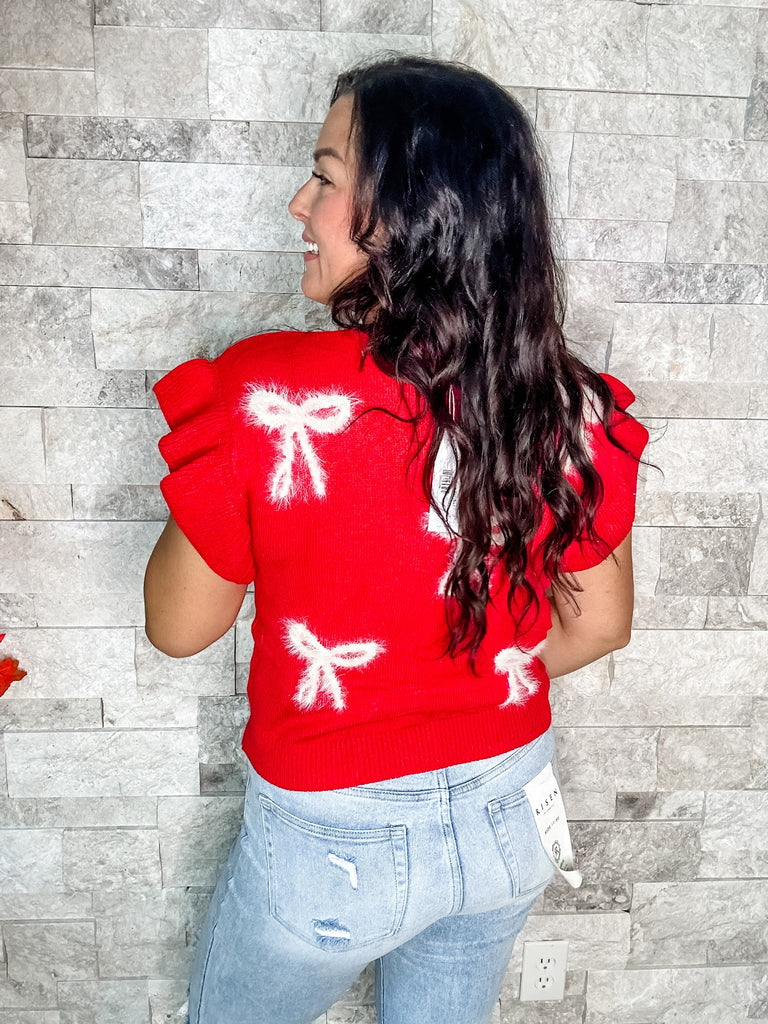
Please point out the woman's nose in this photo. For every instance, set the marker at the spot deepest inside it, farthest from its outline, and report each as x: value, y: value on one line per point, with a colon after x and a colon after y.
x: 297, y: 206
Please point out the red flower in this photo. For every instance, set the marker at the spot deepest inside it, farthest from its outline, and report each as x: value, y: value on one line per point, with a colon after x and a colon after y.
x: 9, y: 671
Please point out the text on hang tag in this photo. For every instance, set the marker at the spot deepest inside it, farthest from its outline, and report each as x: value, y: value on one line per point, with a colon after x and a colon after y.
x: 443, y: 474
x: 543, y: 793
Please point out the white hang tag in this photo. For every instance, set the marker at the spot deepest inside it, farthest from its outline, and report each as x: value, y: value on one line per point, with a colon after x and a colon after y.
x: 443, y: 474
x: 546, y: 802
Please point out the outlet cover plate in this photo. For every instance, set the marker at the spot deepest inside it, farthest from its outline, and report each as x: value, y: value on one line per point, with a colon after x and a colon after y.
x: 544, y: 966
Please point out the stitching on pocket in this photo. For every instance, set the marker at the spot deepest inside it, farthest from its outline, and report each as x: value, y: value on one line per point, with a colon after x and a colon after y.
x: 524, y: 845
x: 334, y: 888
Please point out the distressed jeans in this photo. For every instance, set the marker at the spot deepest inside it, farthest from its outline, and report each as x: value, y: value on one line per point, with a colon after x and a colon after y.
x: 430, y: 875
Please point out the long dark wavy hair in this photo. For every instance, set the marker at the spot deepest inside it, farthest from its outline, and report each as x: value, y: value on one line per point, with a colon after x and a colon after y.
x: 463, y: 295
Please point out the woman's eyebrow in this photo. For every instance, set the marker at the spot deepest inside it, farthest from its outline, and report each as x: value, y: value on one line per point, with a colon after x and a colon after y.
x: 326, y: 151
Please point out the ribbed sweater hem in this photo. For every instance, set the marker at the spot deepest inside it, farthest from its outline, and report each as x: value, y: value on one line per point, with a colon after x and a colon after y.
x: 372, y: 753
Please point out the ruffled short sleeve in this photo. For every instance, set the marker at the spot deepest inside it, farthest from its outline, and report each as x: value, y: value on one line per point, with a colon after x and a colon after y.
x: 618, y: 472
x: 203, y: 492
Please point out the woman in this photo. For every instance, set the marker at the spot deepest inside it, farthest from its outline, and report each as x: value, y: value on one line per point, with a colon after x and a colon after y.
x: 434, y: 503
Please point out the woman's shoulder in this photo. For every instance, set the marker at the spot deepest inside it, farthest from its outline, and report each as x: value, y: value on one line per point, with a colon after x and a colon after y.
x: 286, y: 350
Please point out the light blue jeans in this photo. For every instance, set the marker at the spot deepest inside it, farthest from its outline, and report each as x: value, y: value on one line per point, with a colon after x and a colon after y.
x: 430, y: 875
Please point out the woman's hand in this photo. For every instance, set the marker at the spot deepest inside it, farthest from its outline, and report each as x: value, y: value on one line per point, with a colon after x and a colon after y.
x: 600, y: 621
x: 187, y: 605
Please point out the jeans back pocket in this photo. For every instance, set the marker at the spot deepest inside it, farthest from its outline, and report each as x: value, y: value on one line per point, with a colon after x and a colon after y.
x: 335, y: 888
x: 527, y: 862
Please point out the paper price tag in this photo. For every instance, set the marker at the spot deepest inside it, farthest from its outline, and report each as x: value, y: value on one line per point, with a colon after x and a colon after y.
x: 442, y: 477
x: 546, y: 802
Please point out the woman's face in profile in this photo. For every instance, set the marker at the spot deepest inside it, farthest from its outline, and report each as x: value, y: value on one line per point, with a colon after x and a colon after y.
x: 323, y: 205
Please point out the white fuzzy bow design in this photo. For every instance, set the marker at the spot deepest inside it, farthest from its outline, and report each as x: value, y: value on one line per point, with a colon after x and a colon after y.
x: 516, y: 662
x: 320, y: 677
x: 324, y: 414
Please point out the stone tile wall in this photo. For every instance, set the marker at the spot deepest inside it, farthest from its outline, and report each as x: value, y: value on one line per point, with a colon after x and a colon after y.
x: 147, y: 151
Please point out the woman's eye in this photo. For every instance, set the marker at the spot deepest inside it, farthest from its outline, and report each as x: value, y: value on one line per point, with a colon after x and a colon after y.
x: 321, y: 178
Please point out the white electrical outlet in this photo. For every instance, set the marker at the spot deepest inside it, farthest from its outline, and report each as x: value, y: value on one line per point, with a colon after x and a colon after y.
x: 544, y: 965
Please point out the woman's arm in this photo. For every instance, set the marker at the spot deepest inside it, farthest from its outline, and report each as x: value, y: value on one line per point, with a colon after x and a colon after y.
x: 187, y: 605
x: 600, y: 622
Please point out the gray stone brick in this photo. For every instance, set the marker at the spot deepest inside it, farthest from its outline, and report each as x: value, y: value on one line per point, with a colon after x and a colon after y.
x: 46, y: 33
x: 31, y: 860
x: 47, y: 906
x: 674, y: 806
x: 13, y: 182
x: 143, y: 763
x: 182, y: 206
x: 756, y: 117
x: 664, y: 612
x: 734, y: 837
x: 704, y: 758
x: 625, y: 241
x: 283, y: 142
x: 104, y: 1002
x: 595, y: 941
x: 60, y: 387
x: 133, y: 138
x: 84, y: 202
x: 15, y: 223
x: 84, y: 608
x: 202, y: 324
x: 646, y: 709
x: 715, y: 456
x: 594, y: 763
x: 697, y: 400
x: 144, y: 72
x: 287, y: 76
x: 688, y: 995
x: 34, y: 715
x: 76, y: 452
x: 691, y: 664
x: 150, y: 709
x: 571, y: 45
x: 222, y: 720
x: 20, y: 502
x: 402, y: 16
x: 17, y: 995
x: 22, y: 459
x: 692, y: 282
x: 760, y: 745
x: 737, y: 613
x: 712, y: 922
x: 302, y: 14
x: 145, y: 933
x: 70, y: 663
x: 719, y: 222
x: 222, y: 779
x: 196, y: 834
x: 17, y: 610
x: 79, y: 812
x: 46, y: 952
x: 663, y: 508
x: 700, y: 50
x: 705, y: 560
x: 49, y: 326
x: 623, y: 177
x: 614, y: 856
x: 128, y: 502
x: 212, y: 671
x: 713, y: 117
x: 48, y: 92
x: 82, y: 266
x: 166, y: 997
x: 250, y: 271
x: 111, y: 859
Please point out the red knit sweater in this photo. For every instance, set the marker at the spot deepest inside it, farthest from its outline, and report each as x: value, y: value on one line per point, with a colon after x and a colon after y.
x: 276, y: 477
